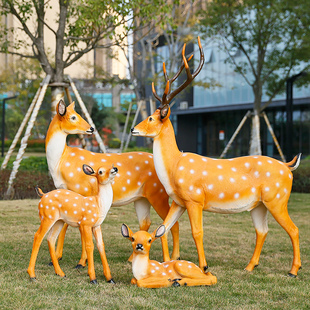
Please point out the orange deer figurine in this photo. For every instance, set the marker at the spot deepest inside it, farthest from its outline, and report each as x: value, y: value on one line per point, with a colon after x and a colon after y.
x: 197, y: 183
x: 64, y: 206
x: 152, y: 274
x: 137, y: 182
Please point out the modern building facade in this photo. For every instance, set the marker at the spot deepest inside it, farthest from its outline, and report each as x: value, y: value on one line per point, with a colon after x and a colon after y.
x: 206, y: 118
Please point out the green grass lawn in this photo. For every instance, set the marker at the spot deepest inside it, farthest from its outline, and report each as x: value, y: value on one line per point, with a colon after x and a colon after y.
x: 229, y: 243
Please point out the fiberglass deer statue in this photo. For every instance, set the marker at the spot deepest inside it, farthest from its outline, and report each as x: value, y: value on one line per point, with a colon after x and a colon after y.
x: 195, y: 183
x: 64, y: 206
x: 137, y: 182
x: 152, y: 274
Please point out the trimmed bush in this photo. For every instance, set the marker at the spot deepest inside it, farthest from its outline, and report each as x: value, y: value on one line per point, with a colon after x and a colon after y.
x: 25, y: 183
x: 301, y: 182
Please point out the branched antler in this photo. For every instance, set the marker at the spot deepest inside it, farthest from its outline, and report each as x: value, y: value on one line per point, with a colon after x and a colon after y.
x: 167, y: 96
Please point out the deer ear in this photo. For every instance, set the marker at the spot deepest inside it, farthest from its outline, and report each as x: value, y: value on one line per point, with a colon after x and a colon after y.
x: 165, y: 112
x: 126, y: 232
x: 160, y: 231
x: 61, y: 108
x: 72, y: 104
x: 88, y: 170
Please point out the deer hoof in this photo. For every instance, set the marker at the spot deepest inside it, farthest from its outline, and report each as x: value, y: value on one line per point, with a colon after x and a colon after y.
x: 112, y: 281
x: 79, y: 266
x: 176, y: 284
x: 51, y: 263
x: 33, y: 279
x: 94, y: 282
x: 205, y: 268
x: 292, y: 275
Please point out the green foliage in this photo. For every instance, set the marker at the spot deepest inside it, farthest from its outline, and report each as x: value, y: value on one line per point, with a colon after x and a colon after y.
x: 301, y: 182
x: 81, y: 26
x: 23, y: 79
x: 114, y: 143
x: 31, y: 163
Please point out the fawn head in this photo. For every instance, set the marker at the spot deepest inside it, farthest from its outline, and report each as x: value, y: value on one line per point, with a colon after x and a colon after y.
x: 141, y: 240
x: 70, y: 121
x: 104, y: 175
x: 152, y: 126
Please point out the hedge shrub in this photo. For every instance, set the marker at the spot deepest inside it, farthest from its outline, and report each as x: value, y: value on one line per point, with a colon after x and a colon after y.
x: 34, y: 171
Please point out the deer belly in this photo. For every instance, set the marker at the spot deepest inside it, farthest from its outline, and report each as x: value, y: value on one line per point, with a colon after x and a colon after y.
x: 232, y: 206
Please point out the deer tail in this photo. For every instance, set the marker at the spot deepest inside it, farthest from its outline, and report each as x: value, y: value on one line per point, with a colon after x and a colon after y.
x: 39, y: 191
x: 293, y: 165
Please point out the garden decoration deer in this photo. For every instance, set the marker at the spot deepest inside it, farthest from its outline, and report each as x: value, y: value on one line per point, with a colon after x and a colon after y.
x: 64, y: 206
x: 152, y: 274
x: 137, y: 182
x: 197, y: 183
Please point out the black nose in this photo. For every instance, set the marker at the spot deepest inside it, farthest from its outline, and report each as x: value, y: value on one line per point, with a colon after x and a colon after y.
x: 139, y: 246
x: 91, y: 129
x: 132, y: 129
x: 115, y: 169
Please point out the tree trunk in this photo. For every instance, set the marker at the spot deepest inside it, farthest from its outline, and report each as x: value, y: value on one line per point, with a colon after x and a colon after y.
x: 255, y: 143
x: 57, y: 94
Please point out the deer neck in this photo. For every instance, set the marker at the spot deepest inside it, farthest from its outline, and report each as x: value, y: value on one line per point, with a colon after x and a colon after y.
x: 55, y: 146
x: 140, y: 263
x: 166, y: 155
x: 105, y: 198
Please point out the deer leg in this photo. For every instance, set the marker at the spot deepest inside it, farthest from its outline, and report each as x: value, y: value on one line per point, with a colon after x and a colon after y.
x: 173, y: 215
x: 60, y: 242
x: 83, y: 259
x: 155, y: 282
x: 161, y: 206
x: 51, y: 240
x: 282, y: 217
x: 100, y: 245
x: 209, y: 279
x: 38, y: 237
x: 143, y: 208
x: 89, y: 246
x: 195, y: 217
x: 259, y: 218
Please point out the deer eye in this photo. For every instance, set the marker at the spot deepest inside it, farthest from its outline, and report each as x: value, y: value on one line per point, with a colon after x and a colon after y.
x: 132, y: 239
x: 150, y: 240
x: 151, y: 119
x: 73, y: 117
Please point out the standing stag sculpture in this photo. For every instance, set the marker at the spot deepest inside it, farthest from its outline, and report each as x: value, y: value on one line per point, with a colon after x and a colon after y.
x: 195, y: 183
x: 137, y: 182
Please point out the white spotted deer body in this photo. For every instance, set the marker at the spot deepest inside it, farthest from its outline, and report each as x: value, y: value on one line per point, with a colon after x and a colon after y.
x: 152, y: 274
x: 64, y: 206
x: 197, y: 183
x: 137, y: 181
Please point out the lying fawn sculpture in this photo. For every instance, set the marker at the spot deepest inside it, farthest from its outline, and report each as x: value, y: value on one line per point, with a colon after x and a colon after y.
x: 64, y: 206
x: 152, y: 274
x: 137, y: 182
x: 197, y: 183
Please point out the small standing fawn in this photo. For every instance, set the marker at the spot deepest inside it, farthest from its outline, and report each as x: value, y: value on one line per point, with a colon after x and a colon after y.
x: 152, y: 274
x: 137, y: 182
x: 195, y: 183
x: 64, y: 206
